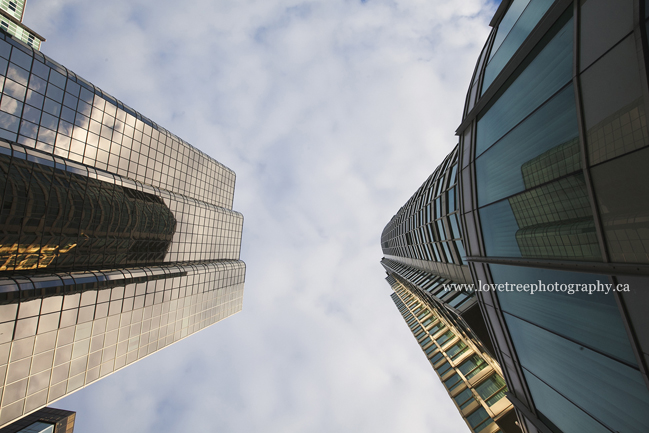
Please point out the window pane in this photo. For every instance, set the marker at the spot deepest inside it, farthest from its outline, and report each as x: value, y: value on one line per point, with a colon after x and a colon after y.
x: 614, y: 109
x: 593, y: 320
x: 554, y: 125
x: 520, y: 31
x: 544, y: 76
x: 583, y: 376
x: 624, y: 206
x: 553, y: 220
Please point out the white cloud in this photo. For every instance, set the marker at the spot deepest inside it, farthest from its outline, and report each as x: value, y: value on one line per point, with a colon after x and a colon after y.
x: 331, y: 113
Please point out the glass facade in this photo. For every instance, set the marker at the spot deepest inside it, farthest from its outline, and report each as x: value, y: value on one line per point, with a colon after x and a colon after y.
x: 117, y: 238
x: 551, y: 203
x: 554, y: 146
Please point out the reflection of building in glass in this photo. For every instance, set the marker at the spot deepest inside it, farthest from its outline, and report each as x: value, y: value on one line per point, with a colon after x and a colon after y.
x: 557, y: 144
x: 46, y: 420
x: 554, y: 196
x: 117, y: 238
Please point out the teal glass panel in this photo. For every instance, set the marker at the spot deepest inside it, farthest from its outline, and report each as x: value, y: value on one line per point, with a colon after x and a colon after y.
x: 548, y: 72
x: 507, y: 23
x: 472, y: 366
x: 609, y: 390
x: 452, y: 381
x: 455, y: 349
x: 553, y: 220
x: 559, y: 410
x: 477, y: 417
x: 498, y: 171
x: 437, y: 357
x: 519, y: 32
x: 499, y: 228
x: 591, y: 319
x: 492, y: 389
x: 445, y: 337
x: 463, y: 397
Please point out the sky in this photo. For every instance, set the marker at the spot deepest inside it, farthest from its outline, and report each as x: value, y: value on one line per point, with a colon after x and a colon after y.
x: 332, y: 113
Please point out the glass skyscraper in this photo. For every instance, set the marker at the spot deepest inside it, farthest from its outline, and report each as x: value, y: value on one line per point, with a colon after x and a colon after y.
x: 552, y: 198
x: 117, y: 238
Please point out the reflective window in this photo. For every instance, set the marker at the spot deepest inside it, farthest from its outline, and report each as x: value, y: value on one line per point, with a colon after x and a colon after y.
x: 614, y: 108
x: 492, y: 389
x: 553, y: 220
x: 622, y: 190
x: 472, y: 366
x: 591, y: 319
x: 509, y: 166
x: 548, y: 72
x: 583, y: 376
x: 515, y: 27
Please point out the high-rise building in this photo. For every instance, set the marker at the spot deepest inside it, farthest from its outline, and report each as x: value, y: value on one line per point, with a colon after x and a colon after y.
x: 46, y: 420
x: 423, y: 257
x: 553, y: 212
x: 117, y: 238
x: 11, y: 21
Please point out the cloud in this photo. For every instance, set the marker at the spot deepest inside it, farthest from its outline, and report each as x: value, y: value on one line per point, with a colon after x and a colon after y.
x: 332, y: 113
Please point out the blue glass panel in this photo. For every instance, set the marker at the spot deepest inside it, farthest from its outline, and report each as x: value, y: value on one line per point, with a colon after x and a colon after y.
x: 544, y: 76
x: 454, y: 226
x: 592, y: 319
x: 513, y: 13
x: 499, y: 230
x: 613, y: 392
x: 498, y: 171
x: 451, y: 200
x: 440, y: 229
x: 521, y: 30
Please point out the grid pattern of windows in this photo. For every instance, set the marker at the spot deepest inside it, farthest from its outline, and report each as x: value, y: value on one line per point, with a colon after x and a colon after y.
x: 54, y: 345
x: 426, y: 227
x: 455, y: 364
x: 565, y: 135
x: 47, y: 107
x: 117, y: 238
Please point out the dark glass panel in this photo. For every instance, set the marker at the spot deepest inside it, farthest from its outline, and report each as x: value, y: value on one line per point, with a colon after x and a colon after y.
x: 510, y: 36
x: 592, y: 319
x: 548, y: 72
x: 622, y: 191
x: 561, y: 411
x: 510, y: 166
x: 553, y: 220
x: 583, y: 376
x: 603, y: 24
x: 614, y: 109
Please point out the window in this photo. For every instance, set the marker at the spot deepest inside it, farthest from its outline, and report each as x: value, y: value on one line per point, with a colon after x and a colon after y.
x: 479, y: 419
x: 442, y: 369
x: 472, y: 366
x: 437, y: 357
x: 465, y: 398
x: 456, y: 349
x: 492, y: 389
x: 445, y: 337
x: 453, y: 382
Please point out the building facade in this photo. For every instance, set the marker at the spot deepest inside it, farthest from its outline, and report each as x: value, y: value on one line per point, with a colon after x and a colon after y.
x: 552, y: 205
x: 46, y: 420
x: 117, y: 238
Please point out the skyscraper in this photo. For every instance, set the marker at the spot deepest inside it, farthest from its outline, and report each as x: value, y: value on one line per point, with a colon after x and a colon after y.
x: 46, y: 420
x: 552, y: 196
x: 117, y: 238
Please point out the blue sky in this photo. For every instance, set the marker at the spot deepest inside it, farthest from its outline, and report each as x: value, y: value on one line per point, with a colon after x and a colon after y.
x: 331, y: 113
